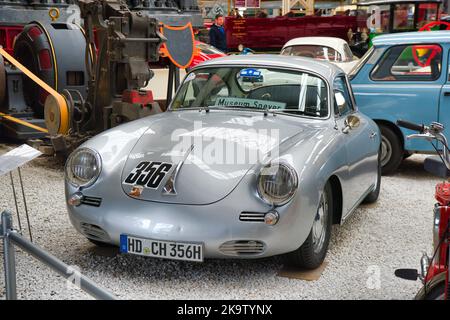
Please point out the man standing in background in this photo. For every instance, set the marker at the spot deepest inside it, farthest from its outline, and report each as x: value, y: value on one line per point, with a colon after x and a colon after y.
x: 217, y: 34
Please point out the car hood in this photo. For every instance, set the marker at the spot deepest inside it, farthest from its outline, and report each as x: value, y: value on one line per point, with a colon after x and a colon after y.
x: 212, y: 150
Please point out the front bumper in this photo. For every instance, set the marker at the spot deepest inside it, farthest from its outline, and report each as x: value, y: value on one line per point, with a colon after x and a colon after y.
x: 213, y: 225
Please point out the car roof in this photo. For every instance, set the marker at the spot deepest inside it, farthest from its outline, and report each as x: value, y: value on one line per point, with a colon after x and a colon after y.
x: 332, y: 42
x: 413, y: 37
x: 326, y: 69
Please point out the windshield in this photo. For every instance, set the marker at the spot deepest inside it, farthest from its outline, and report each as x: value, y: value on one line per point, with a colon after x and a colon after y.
x: 313, y: 51
x: 254, y: 88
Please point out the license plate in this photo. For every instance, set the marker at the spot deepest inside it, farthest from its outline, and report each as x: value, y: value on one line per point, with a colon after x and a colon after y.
x: 161, y: 249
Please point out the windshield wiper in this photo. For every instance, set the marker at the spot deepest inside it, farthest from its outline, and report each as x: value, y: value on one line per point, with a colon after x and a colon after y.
x: 235, y: 107
x: 266, y: 111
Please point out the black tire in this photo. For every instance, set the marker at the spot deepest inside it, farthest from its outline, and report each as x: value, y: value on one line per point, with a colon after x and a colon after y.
x: 100, y: 244
x: 373, y: 196
x: 437, y: 292
x: 308, y: 256
x: 407, y: 154
x: 392, y: 149
x: 2, y: 81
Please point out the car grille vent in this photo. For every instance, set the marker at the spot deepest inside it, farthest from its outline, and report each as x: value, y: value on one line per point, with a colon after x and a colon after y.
x: 242, y: 248
x: 94, y: 232
x: 252, y: 216
x: 91, y: 201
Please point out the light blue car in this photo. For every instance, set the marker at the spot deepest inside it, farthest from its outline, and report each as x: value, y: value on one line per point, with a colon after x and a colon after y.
x: 404, y: 76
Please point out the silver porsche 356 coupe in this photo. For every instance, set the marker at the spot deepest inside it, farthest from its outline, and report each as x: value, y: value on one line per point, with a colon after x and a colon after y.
x: 256, y: 156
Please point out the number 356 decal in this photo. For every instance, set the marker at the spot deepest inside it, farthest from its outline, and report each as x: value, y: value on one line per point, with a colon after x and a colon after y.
x: 148, y: 174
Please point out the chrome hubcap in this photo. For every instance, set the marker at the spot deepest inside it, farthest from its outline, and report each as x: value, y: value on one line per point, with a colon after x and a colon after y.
x: 320, y: 224
x: 386, y: 151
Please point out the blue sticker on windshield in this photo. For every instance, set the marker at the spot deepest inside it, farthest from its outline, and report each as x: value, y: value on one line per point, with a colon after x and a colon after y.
x: 250, y: 73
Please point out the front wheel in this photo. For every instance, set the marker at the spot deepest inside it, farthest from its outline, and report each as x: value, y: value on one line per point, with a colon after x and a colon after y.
x: 391, y: 150
x: 100, y: 243
x: 312, y: 252
x: 436, y: 293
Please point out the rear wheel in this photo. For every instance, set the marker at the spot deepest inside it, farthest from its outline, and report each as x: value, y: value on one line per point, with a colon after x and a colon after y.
x: 391, y: 150
x: 313, y: 251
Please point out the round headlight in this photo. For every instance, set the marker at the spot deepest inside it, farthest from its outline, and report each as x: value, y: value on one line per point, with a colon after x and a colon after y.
x: 83, y: 167
x: 277, y: 183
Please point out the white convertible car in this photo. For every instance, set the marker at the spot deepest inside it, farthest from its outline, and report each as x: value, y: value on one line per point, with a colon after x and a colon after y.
x: 331, y: 49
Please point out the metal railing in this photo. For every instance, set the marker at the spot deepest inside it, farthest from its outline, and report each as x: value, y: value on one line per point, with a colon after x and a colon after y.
x: 11, y: 238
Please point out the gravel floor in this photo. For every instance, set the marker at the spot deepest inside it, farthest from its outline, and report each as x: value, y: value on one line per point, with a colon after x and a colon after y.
x: 362, y: 258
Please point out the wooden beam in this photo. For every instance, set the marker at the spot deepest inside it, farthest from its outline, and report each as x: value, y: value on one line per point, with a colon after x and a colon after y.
x: 307, y: 4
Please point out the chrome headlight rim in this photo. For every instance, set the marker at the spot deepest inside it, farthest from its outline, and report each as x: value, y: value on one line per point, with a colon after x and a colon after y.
x: 69, y: 173
x: 290, y: 195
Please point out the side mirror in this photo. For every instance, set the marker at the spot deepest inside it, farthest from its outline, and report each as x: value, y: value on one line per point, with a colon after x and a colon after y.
x: 340, y: 101
x: 350, y: 123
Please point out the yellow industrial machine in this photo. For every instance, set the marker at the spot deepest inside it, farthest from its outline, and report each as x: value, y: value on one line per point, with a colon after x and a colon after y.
x: 67, y: 83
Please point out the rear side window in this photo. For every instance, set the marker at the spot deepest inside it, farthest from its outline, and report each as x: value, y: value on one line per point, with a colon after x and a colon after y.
x: 348, y: 52
x: 421, y: 62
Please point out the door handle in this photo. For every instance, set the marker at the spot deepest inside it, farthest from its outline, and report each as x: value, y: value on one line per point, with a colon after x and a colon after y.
x: 447, y: 93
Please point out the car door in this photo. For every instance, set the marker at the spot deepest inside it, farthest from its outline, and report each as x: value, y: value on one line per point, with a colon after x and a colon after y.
x: 361, y: 160
x: 404, y: 83
x: 444, y: 105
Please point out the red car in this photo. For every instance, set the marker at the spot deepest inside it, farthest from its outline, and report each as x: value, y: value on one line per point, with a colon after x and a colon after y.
x: 205, y: 52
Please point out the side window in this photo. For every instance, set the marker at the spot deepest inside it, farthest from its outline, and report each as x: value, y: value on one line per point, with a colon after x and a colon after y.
x: 404, y: 17
x: 421, y: 62
x: 348, y: 53
x: 428, y: 12
x: 286, y: 51
x: 340, y: 85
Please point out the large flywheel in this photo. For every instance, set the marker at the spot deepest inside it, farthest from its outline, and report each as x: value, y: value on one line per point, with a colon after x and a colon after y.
x: 2, y: 81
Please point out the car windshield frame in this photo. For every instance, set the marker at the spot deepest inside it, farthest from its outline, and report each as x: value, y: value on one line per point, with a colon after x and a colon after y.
x: 328, y: 87
x: 361, y: 62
